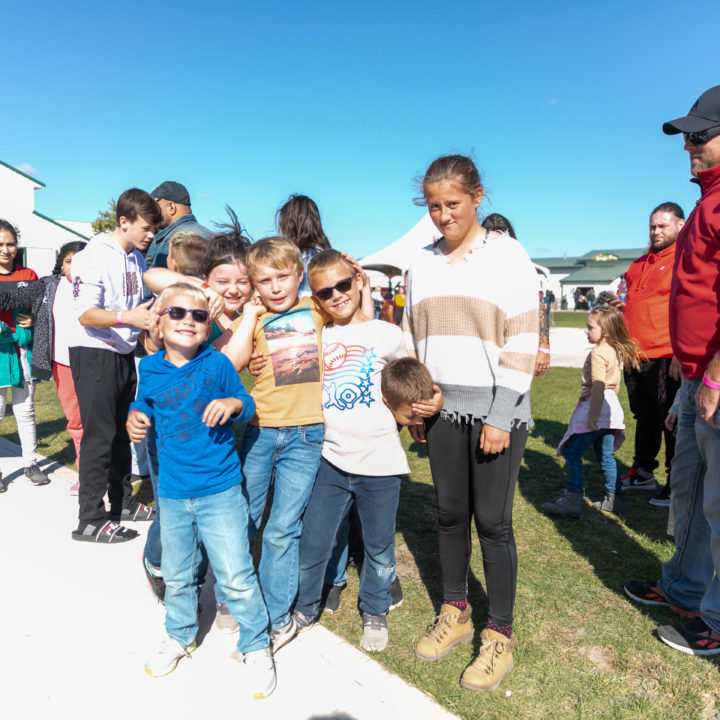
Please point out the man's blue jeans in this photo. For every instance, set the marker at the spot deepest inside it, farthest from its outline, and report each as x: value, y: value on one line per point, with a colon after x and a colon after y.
x: 690, y: 577
x: 377, y: 501
x: 573, y: 451
x: 293, y: 454
x: 220, y: 522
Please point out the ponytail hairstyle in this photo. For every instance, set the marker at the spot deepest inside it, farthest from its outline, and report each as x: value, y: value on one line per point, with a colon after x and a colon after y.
x: 498, y: 223
x: 68, y: 248
x: 615, y: 334
x: 458, y: 168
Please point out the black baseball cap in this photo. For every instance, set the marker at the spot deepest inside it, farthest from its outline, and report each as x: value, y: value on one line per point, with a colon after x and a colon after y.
x: 703, y: 115
x: 172, y: 191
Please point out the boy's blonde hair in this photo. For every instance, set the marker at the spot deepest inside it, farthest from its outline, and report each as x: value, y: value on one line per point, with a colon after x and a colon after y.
x: 180, y: 288
x: 188, y: 252
x: 275, y: 252
x: 405, y: 381
x: 324, y: 260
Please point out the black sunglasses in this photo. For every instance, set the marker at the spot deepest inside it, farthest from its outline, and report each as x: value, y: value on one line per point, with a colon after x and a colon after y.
x: 343, y: 286
x: 700, y: 138
x: 178, y: 313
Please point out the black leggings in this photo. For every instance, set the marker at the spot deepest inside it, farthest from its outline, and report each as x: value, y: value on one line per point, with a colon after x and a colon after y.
x: 466, y: 481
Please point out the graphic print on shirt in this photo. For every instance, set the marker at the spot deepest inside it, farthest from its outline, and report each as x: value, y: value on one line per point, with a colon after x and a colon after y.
x: 293, y: 343
x: 131, y: 287
x: 197, y: 385
x: 347, y: 372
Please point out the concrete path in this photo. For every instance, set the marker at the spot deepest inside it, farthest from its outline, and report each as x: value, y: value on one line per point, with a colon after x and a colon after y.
x: 78, y: 621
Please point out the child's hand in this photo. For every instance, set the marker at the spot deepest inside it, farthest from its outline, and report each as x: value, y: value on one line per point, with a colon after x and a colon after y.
x: 493, y: 440
x: 216, y: 305
x: 417, y: 433
x: 359, y: 271
x: 428, y: 408
x: 219, y: 411
x: 137, y: 425
x: 24, y: 320
x: 542, y: 363
x: 257, y: 363
x: 671, y: 421
x: 593, y: 426
x: 254, y: 306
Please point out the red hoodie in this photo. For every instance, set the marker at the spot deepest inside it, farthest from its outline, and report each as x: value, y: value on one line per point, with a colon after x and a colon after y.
x: 695, y: 292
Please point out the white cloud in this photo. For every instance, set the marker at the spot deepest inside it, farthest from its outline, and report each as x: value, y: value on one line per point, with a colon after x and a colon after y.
x: 204, y: 195
x: 27, y: 168
x: 553, y: 101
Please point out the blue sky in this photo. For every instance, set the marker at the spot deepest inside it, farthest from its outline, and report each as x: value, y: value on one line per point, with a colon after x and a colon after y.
x: 560, y: 104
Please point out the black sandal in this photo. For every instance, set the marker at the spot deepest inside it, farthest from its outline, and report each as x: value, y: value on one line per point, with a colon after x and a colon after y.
x: 109, y: 532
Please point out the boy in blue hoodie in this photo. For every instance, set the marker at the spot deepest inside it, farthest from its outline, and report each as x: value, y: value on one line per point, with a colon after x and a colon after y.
x: 188, y: 393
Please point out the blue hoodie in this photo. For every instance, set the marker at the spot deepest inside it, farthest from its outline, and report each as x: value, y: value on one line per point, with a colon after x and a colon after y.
x: 194, y: 460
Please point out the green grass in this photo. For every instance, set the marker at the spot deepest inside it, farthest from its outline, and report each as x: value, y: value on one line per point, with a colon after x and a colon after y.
x: 569, y: 318
x: 584, y: 649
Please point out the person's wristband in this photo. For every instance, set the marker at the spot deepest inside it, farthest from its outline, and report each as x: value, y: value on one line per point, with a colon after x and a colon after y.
x: 544, y: 350
x: 118, y: 317
x: 711, y: 383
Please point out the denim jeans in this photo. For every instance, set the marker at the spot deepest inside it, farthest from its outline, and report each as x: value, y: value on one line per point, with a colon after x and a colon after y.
x: 377, y: 501
x: 573, y: 451
x: 689, y: 578
x: 336, y: 569
x: 293, y: 454
x: 220, y: 522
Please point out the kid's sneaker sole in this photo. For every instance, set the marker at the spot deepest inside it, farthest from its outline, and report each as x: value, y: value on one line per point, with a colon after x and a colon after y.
x: 692, y: 638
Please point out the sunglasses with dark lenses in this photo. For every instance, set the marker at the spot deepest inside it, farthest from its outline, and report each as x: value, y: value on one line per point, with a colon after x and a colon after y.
x: 343, y: 286
x: 700, y: 138
x: 178, y: 313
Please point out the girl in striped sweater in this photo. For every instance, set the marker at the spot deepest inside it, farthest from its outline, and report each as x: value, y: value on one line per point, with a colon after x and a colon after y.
x: 471, y: 317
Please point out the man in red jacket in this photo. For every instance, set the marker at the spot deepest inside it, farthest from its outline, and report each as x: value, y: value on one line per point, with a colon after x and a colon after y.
x: 690, y: 582
x: 652, y: 388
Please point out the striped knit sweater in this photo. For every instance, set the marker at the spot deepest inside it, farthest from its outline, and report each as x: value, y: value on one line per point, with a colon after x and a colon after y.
x: 474, y: 323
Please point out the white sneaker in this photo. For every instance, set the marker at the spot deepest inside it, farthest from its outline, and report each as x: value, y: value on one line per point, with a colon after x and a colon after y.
x: 282, y: 636
x: 164, y: 661
x: 260, y: 673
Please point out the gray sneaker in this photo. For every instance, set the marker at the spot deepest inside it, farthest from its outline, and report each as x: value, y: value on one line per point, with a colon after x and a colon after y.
x: 569, y: 504
x: 35, y: 475
x: 612, y: 503
x: 282, y: 636
x: 224, y: 621
x: 302, y: 624
x: 375, y: 632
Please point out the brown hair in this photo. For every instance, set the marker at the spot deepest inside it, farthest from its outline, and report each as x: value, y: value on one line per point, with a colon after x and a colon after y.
x: 188, y: 251
x: 405, y: 381
x: 324, y: 260
x: 275, y: 252
x: 135, y: 203
x: 299, y: 221
x: 615, y: 334
x: 459, y: 168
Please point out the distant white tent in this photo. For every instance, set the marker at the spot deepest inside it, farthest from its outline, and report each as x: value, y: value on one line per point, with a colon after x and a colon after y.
x: 396, y: 257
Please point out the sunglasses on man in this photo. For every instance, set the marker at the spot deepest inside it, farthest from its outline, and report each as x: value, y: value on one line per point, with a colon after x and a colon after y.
x: 175, y: 312
x: 700, y: 138
x: 343, y: 286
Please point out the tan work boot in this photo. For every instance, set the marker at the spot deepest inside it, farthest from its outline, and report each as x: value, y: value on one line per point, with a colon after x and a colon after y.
x: 451, y: 627
x: 493, y: 663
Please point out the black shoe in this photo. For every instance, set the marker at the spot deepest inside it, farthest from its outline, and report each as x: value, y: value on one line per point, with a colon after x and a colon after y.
x: 135, y: 512
x: 332, y: 599
x: 693, y: 637
x: 646, y: 593
x: 396, y: 594
x: 35, y: 475
x: 662, y: 499
x: 156, y: 582
x: 104, y: 533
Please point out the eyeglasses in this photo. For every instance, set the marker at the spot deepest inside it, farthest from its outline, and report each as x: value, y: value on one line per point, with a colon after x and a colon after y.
x: 343, y: 286
x: 700, y: 138
x: 178, y: 313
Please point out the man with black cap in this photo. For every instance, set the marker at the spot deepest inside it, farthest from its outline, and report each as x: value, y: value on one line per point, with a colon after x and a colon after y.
x: 690, y: 582
x: 174, y: 201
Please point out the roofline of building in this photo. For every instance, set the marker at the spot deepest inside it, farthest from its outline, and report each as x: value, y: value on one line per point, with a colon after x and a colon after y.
x: 55, y: 222
x: 20, y: 172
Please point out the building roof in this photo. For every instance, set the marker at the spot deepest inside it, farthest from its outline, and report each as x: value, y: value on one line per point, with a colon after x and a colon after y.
x: 621, y: 254
x: 59, y: 224
x: 558, y: 262
x: 20, y: 172
x: 601, y: 272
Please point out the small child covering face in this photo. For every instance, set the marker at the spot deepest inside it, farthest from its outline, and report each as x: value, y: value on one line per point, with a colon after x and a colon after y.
x: 189, y: 392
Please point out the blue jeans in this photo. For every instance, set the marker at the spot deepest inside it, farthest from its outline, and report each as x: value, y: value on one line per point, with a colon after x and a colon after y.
x: 377, y: 501
x: 220, y: 522
x: 336, y: 569
x: 293, y: 455
x: 689, y: 578
x: 575, y: 448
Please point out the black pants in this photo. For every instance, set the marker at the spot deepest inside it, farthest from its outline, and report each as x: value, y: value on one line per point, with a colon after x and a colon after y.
x: 105, y: 387
x: 651, y: 392
x: 469, y: 483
